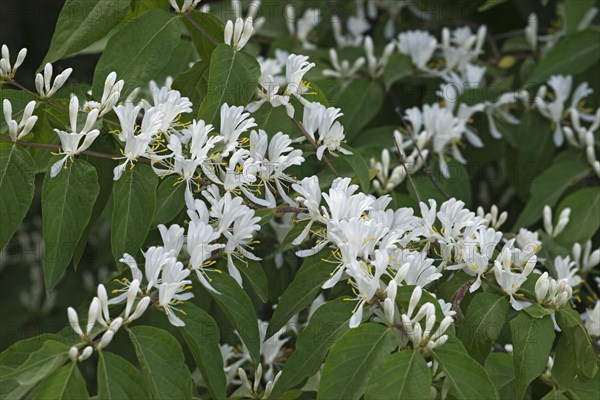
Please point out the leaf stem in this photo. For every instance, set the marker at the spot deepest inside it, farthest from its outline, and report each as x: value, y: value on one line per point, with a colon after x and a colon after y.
x: 201, y: 29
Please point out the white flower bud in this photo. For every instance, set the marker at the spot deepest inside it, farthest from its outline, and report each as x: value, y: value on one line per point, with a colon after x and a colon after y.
x: 244, y: 378
x: 74, y: 321
x: 86, y: 353
x: 414, y: 300
x: 140, y: 308
x: 541, y: 287
x: 106, y: 339
x: 103, y: 297
x: 73, y: 353
x: 116, y: 324
x: 548, y: 220
x: 93, y: 313
x: 257, y: 377
x: 132, y: 293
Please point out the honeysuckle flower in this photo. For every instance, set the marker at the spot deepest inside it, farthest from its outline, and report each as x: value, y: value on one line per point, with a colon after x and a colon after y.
x: 587, y: 260
x: 419, y: 46
x: 301, y: 28
x: 343, y: 69
x: 43, y: 82
x: 172, y: 238
x: 356, y: 27
x: 70, y: 140
x: 366, y: 281
x: 86, y: 353
x: 171, y: 289
x: 461, y: 46
x: 252, y: 10
x: 234, y: 122
x: 509, y: 281
x: 237, y: 35
x: 168, y: 103
x: 74, y: 321
x: 110, y: 95
x: 296, y: 67
x: 563, y: 220
x: 73, y: 353
x: 7, y: 71
x: 494, y: 220
x: 567, y: 269
x: 413, y: 268
x: 318, y: 118
x: 386, y: 181
x: 269, y: 92
x: 185, y: 7
x: 551, y: 292
x: 377, y: 66
x: 424, y: 338
x: 140, y: 309
x: 531, y: 31
x: 19, y: 130
x: 592, y: 320
x: 94, y: 313
x: 103, y: 297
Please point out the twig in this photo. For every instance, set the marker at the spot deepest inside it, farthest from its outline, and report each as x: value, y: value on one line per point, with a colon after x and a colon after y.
x: 314, y: 144
x: 201, y: 29
x: 403, y: 163
x: 460, y: 295
x: 91, y: 153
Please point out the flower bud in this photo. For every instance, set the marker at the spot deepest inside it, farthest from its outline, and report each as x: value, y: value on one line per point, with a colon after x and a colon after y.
x: 116, y: 324
x: 73, y: 352
x: 541, y: 287
x: 106, y: 339
x: 131, y: 295
x: 140, y: 308
x: 86, y: 353
x: 103, y: 297
x: 414, y: 300
x: 93, y: 313
x: 74, y: 321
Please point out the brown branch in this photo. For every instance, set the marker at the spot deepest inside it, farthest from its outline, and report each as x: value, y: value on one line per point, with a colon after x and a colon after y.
x: 460, y: 295
x: 49, y: 146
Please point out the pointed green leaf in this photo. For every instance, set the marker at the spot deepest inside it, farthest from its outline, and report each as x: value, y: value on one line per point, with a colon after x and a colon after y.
x: 118, y: 379
x: 302, y: 291
x: 83, y: 22
x: 212, y: 26
x: 165, y: 372
x: 359, y: 166
x: 202, y: 336
x: 17, y: 184
x: 584, y: 220
x: 468, y: 379
x: 233, y: 79
x: 576, y: 345
x: 352, y: 360
x: 139, y: 51
x: 65, y: 384
x: 238, y: 308
x: 360, y: 102
x: 134, y: 197
x: 482, y: 324
x: 403, y: 375
x: 532, y: 341
x: 67, y: 203
x: 170, y: 200
x: 501, y: 369
x: 326, y: 325
x: 254, y: 274
x: 40, y: 363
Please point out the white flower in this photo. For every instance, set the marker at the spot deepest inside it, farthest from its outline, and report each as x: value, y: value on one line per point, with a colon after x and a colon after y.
x: 170, y: 290
x: 331, y: 132
x: 200, y: 246
x: 386, y: 181
x: 494, y: 220
x: 563, y: 220
x: 110, y: 95
x: 42, y: 82
x: 6, y: 70
x: 168, y: 103
x: 296, y: 67
x: 70, y: 140
x: 419, y: 45
x: 269, y: 92
x: 509, y: 281
x: 234, y: 122
x: 238, y: 34
x: 356, y: 26
x: 185, y: 7
x: 550, y: 292
x: 377, y: 66
x: 592, y: 320
x: 531, y: 31
x: 19, y: 130
x: 413, y: 268
x: 343, y: 69
x: 567, y: 269
x: 302, y: 27
x: 588, y: 260
x: 172, y: 238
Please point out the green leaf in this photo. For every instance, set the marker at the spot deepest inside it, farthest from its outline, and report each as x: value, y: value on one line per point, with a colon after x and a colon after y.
x: 254, y: 274
x: 468, y: 379
x: 39, y: 364
x: 403, y: 375
x: 83, y: 22
x: 193, y: 84
x: 170, y: 200
x: 67, y: 383
x: 400, y: 66
x: 201, y: 334
x: 484, y: 320
x: 326, y: 325
x: 547, y: 188
x: 573, y: 55
x: 17, y: 186
x: 575, y: 11
x: 585, y: 391
x: 139, y: 51
x: 490, y: 4
x: 134, y: 197
x: 535, y: 150
x: 118, y: 379
x: 555, y: 395
x: 577, y: 344
x: 457, y: 185
x: 532, y: 341
x: 302, y: 291
x: 359, y: 166
x: 273, y: 119
x: 213, y: 32
x: 67, y: 203
x: 584, y: 220
x: 165, y: 372
x: 237, y: 306
x: 233, y: 79
x: 360, y: 102
x: 352, y: 360
x: 565, y: 365
x: 501, y: 369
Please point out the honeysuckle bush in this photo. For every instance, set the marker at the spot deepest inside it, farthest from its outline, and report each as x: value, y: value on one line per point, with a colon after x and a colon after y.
x: 332, y: 200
